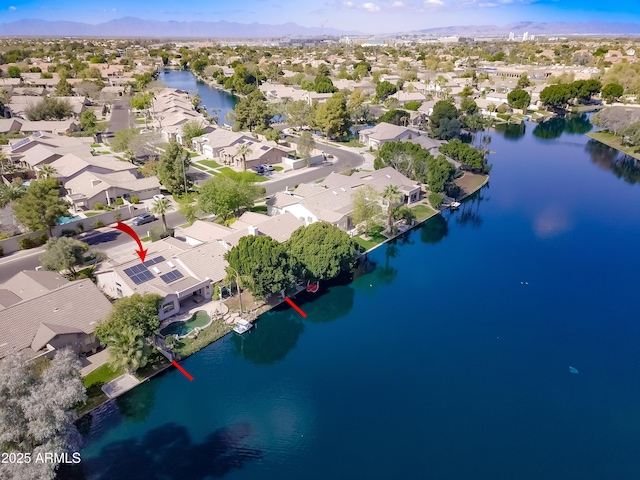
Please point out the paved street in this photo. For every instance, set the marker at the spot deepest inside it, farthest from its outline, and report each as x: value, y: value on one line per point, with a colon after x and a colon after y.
x: 104, y: 239
x: 120, y: 115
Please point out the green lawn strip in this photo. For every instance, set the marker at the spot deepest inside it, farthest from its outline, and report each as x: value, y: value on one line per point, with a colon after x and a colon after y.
x: 145, y: 239
x: 96, y: 145
x: 189, y: 346
x: 376, y: 239
x: 614, y: 141
x: 93, y: 382
x: 259, y: 209
x: 278, y: 169
x: 103, y: 374
x: 422, y: 212
x: 255, y: 177
x: 91, y: 214
x: 193, y: 154
x: 209, y: 163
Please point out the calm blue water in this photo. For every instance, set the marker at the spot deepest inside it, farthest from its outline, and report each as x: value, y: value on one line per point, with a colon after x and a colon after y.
x: 450, y: 360
x: 217, y: 102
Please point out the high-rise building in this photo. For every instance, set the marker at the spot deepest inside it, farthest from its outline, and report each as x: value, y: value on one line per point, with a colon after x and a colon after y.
x: 512, y: 36
x: 525, y: 37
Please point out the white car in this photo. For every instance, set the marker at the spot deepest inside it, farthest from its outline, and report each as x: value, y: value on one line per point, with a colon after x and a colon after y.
x: 159, y: 197
x: 268, y: 168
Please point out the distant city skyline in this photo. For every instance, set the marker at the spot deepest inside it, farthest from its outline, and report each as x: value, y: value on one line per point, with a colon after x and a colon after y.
x: 375, y: 16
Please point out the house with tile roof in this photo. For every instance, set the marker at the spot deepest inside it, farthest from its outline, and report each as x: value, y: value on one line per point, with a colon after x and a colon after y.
x: 41, y: 312
x: 385, y: 132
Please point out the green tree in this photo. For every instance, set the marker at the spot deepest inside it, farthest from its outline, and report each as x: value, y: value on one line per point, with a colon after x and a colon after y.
x: 442, y: 120
x: 191, y: 130
x: 137, y: 311
x: 366, y: 208
x: 469, y: 106
x: 556, y: 96
x: 161, y: 207
x: 612, y: 92
x: 141, y: 101
x: 188, y: 207
x: 299, y: 113
x: 49, y: 108
x: 413, y: 105
x: 523, y: 81
x: 243, y: 150
x: 519, y: 99
x: 395, y: 117
x: 63, y: 253
x: 393, y: 196
x: 88, y: 121
x: 332, y: 117
x: 439, y: 172
x: 174, y: 163
x: 11, y: 193
x: 128, y: 348
x: 41, y: 206
x: 321, y: 251
x: 123, y: 138
x: 224, y: 195
x: 64, y: 88
x: 265, y: 262
x: 13, y: 72
x: 385, y: 89
x: 252, y: 112
x: 407, y: 158
x: 323, y: 84
x: 306, y: 144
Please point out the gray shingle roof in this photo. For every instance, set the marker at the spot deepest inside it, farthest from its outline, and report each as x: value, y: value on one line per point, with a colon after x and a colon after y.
x: 75, y: 305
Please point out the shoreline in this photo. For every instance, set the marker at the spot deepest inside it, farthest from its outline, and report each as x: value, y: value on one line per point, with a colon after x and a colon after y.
x: 611, y: 140
x: 267, y: 306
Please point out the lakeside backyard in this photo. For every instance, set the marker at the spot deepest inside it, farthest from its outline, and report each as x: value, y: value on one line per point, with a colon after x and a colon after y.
x: 615, y: 141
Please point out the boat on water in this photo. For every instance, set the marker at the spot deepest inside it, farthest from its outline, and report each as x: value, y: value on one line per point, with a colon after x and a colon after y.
x: 313, y: 287
x: 454, y: 205
x: 242, y: 326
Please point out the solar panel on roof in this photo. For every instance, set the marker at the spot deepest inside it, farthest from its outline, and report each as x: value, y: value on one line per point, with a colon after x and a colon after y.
x: 171, y: 276
x: 138, y: 274
x: 265, y: 148
x: 153, y: 261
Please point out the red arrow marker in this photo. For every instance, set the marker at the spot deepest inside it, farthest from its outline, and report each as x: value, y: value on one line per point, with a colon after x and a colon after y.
x: 184, y: 372
x: 296, y: 307
x: 129, y: 231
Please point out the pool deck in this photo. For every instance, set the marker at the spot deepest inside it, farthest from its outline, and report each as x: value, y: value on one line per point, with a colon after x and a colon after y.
x: 214, y: 308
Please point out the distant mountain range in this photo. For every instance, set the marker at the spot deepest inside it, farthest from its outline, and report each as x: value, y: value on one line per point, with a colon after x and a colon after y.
x: 538, y: 28
x: 136, y: 27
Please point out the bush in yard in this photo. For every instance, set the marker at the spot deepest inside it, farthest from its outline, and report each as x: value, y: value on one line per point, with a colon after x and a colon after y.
x: 98, y: 206
x: 117, y: 216
x: 68, y: 232
x: 435, y: 199
x: 119, y: 201
x: 135, y: 199
x: 80, y: 227
x: 98, y: 224
x: 25, y: 243
x: 158, y: 233
x: 1, y: 251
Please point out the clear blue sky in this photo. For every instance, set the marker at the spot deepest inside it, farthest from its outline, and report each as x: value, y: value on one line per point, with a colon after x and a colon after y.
x: 362, y: 15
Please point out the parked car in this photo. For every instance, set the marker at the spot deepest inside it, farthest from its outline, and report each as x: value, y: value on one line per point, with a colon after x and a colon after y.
x: 259, y: 169
x: 159, y: 197
x: 268, y: 168
x: 144, y: 218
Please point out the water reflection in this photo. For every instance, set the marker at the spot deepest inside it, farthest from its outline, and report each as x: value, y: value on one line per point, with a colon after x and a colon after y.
x: 621, y: 165
x: 136, y: 405
x: 469, y: 213
x: 167, y: 452
x: 555, y: 127
x: 512, y: 131
x: 271, y: 340
x: 434, y: 230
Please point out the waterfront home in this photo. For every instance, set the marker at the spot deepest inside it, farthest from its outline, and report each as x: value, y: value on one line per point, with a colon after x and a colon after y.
x: 41, y: 312
x: 275, y: 92
x: 260, y: 153
x: 384, y: 132
x: 163, y: 273
x: 332, y: 199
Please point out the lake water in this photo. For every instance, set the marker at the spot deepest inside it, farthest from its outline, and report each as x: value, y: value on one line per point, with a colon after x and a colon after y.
x: 448, y: 360
x: 217, y: 102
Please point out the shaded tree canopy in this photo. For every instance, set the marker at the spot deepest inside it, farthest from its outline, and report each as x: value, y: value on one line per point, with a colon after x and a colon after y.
x: 41, y: 206
x: 174, y: 162
x: 225, y: 195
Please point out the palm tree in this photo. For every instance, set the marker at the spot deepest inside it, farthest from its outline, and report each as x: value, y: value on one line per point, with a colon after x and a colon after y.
x: 11, y: 193
x: 244, y: 150
x: 162, y: 206
x: 46, y: 171
x: 128, y: 349
x: 392, y: 195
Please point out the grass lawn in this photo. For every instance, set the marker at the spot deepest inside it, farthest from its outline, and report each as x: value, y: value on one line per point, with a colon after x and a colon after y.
x: 193, y: 154
x: 614, y: 142
x: 96, y: 145
x: 353, y: 143
x: 91, y: 214
x: 209, y: 163
x: 278, y: 169
x: 189, y: 346
x: 254, y: 178
x: 145, y: 239
x: 103, y: 374
x: 376, y: 239
x: 422, y: 212
x: 259, y: 209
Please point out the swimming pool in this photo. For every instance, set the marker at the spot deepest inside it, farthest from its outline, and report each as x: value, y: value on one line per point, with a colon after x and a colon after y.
x: 183, y: 327
x: 63, y: 220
